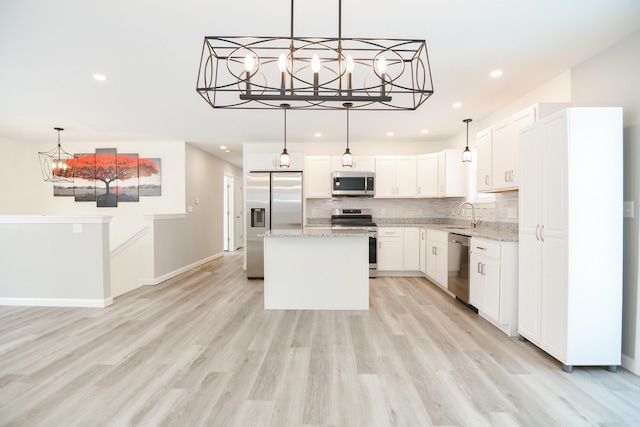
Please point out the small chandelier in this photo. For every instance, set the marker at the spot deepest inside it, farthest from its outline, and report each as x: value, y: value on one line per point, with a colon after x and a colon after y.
x: 57, y: 165
x: 347, y: 157
x: 285, y: 159
x: 314, y: 73
x: 466, y: 154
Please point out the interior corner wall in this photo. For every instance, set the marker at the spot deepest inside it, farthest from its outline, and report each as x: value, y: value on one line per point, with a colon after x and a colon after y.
x: 610, y: 79
x: 204, y: 176
x: 20, y: 175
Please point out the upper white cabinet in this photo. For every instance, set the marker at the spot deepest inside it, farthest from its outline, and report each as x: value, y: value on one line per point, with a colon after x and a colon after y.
x: 427, y: 175
x: 451, y: 174
x: 484, y: 152
x: 360, y: 164
x: 317, y: 177
x: 570, y: 269
x: 395, y: 176
x: 494, y: 282
x: 498, y: 152
x: 271, y: 162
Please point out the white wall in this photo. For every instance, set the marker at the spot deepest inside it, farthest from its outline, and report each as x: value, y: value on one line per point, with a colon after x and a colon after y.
x: 610, y: 79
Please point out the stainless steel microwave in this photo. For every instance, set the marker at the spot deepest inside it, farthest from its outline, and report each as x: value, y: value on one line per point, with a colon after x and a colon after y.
x: 353, y: 184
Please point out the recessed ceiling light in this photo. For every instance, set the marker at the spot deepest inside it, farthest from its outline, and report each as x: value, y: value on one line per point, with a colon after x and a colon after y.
x: 318, y: 134
x: 496, y: 73
x: 100, y: 77
x: 425, y: 131
x: 227, y: 151
x: 389, y: 133
x: 457, y: 105
x: 223, y: 147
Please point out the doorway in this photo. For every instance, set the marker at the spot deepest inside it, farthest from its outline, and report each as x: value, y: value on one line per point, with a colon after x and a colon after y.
x: 233, y: 201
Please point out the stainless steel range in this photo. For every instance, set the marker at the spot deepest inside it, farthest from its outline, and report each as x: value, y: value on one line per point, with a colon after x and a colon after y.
x: 345, y: 219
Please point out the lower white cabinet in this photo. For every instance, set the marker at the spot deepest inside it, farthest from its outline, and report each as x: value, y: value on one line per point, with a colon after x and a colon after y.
x: 437, y: 270
x: 493, y: 287
x: 423, y: 251
x: 399, y: 249
x: 390, y: 248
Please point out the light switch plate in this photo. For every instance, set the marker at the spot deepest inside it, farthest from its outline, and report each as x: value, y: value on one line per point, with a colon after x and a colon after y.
x: 628, y: 209
x: 77, y: 228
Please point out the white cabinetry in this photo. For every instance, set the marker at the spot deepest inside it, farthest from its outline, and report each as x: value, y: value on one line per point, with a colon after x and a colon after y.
x: 437, y: 257
x: 494, y: 282
x: 271, y: 162
x: 423, y: 251
x: 390, y: 248
x: 498, y: 152
x: 360, y: 164
x: 484, y: 163
x: 395, y: 176
x: 570, y: 269
x: 427, y: 175
x: 399, y: 249
x: 317, y: 177
x: 411, y: 249
x: 451, y: 174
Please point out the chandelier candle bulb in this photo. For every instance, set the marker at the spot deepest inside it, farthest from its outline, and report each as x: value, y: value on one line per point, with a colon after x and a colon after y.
x: 248, y: 66
x: 350, y: 66
x: 382, y: 69
x: 282, y: 64
x: 315, y: 66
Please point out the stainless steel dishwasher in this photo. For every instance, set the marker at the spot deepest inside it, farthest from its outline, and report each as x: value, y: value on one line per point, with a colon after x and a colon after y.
x: 458, y: 266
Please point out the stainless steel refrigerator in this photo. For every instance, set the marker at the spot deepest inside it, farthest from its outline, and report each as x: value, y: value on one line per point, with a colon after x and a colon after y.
x: 274, y: 201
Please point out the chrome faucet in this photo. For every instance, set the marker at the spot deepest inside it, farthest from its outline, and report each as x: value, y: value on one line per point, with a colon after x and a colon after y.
x: 474, y: 221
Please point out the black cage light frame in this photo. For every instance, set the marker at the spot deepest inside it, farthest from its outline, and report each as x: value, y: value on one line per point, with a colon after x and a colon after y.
x: 264, y: 72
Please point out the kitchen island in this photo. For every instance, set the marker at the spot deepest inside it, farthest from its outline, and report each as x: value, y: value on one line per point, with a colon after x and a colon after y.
x: 316, y: 269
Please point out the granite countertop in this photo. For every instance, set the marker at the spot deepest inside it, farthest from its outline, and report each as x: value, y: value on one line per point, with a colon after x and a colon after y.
x: 317, y: 232
x: 490, y: 233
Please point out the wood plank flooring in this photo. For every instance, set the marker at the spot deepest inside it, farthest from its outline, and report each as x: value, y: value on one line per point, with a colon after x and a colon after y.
x: 200, y: 350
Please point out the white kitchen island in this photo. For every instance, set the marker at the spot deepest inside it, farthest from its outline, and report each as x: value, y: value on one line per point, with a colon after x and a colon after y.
x: 316, y: 269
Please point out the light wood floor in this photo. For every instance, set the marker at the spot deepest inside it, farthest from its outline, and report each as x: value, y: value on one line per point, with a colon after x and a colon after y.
x: 200, y: 350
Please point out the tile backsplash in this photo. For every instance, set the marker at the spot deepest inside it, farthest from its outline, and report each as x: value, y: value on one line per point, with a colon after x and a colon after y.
x: 503, y: 210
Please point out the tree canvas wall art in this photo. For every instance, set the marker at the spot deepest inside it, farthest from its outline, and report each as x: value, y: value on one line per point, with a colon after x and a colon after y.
x: 108, y: 178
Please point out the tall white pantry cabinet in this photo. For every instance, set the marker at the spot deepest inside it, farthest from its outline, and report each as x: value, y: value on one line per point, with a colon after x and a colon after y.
x: 570, y: 264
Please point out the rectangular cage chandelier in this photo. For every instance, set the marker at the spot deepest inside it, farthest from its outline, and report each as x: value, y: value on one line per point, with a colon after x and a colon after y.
x: 311, y: 73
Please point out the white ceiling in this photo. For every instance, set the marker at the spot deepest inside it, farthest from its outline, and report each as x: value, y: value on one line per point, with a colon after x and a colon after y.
x: 150, y: 52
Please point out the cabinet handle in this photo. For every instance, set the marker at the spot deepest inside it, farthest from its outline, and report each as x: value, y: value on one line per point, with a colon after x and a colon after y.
x: 479, y: 268
x: 418, y: 190
x: 486, y: 179
x: 506, y: 176
x: 481, y: 248
x: 537, y: 227
x: 511, y: 175
x: 541, y: 235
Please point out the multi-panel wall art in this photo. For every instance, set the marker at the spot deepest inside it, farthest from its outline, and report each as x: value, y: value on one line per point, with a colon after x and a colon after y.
x: 107, y: 178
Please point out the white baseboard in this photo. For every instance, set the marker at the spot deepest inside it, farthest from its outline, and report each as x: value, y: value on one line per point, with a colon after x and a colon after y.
x: 630, y: 365
x: 57, y: 302
x: 160, y: 279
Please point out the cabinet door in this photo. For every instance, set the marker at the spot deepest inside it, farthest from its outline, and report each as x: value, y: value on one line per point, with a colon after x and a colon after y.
x: 442, y: 262
x: 423, y: 250
x: 364, y: 163
x: 405, y: 176
x: 484, y: 162
x: 385, y: 176
x: 451, y: 174
x: 427, y: 175
x: 390, y: 253
x: 432, y: 260
x: 261, y: 162
x: 505, y: 149
x: 491, y: 273
x: 411, y: 249
x: 318, y: 177
x: 476, y: 282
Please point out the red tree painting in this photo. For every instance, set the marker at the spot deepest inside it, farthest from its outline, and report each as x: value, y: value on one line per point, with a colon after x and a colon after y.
x: 108, y: 168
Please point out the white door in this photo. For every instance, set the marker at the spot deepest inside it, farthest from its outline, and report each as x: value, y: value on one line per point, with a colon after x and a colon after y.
x: 237, y: 213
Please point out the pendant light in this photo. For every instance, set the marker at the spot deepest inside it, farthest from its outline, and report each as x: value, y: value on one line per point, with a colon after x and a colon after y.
x: 285, y: 160
x: 466, y: 154
x: 347, y: 157
x: 57, y: 165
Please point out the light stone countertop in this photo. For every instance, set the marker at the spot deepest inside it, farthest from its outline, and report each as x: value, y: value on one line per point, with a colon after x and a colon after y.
x: 317, y: 232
